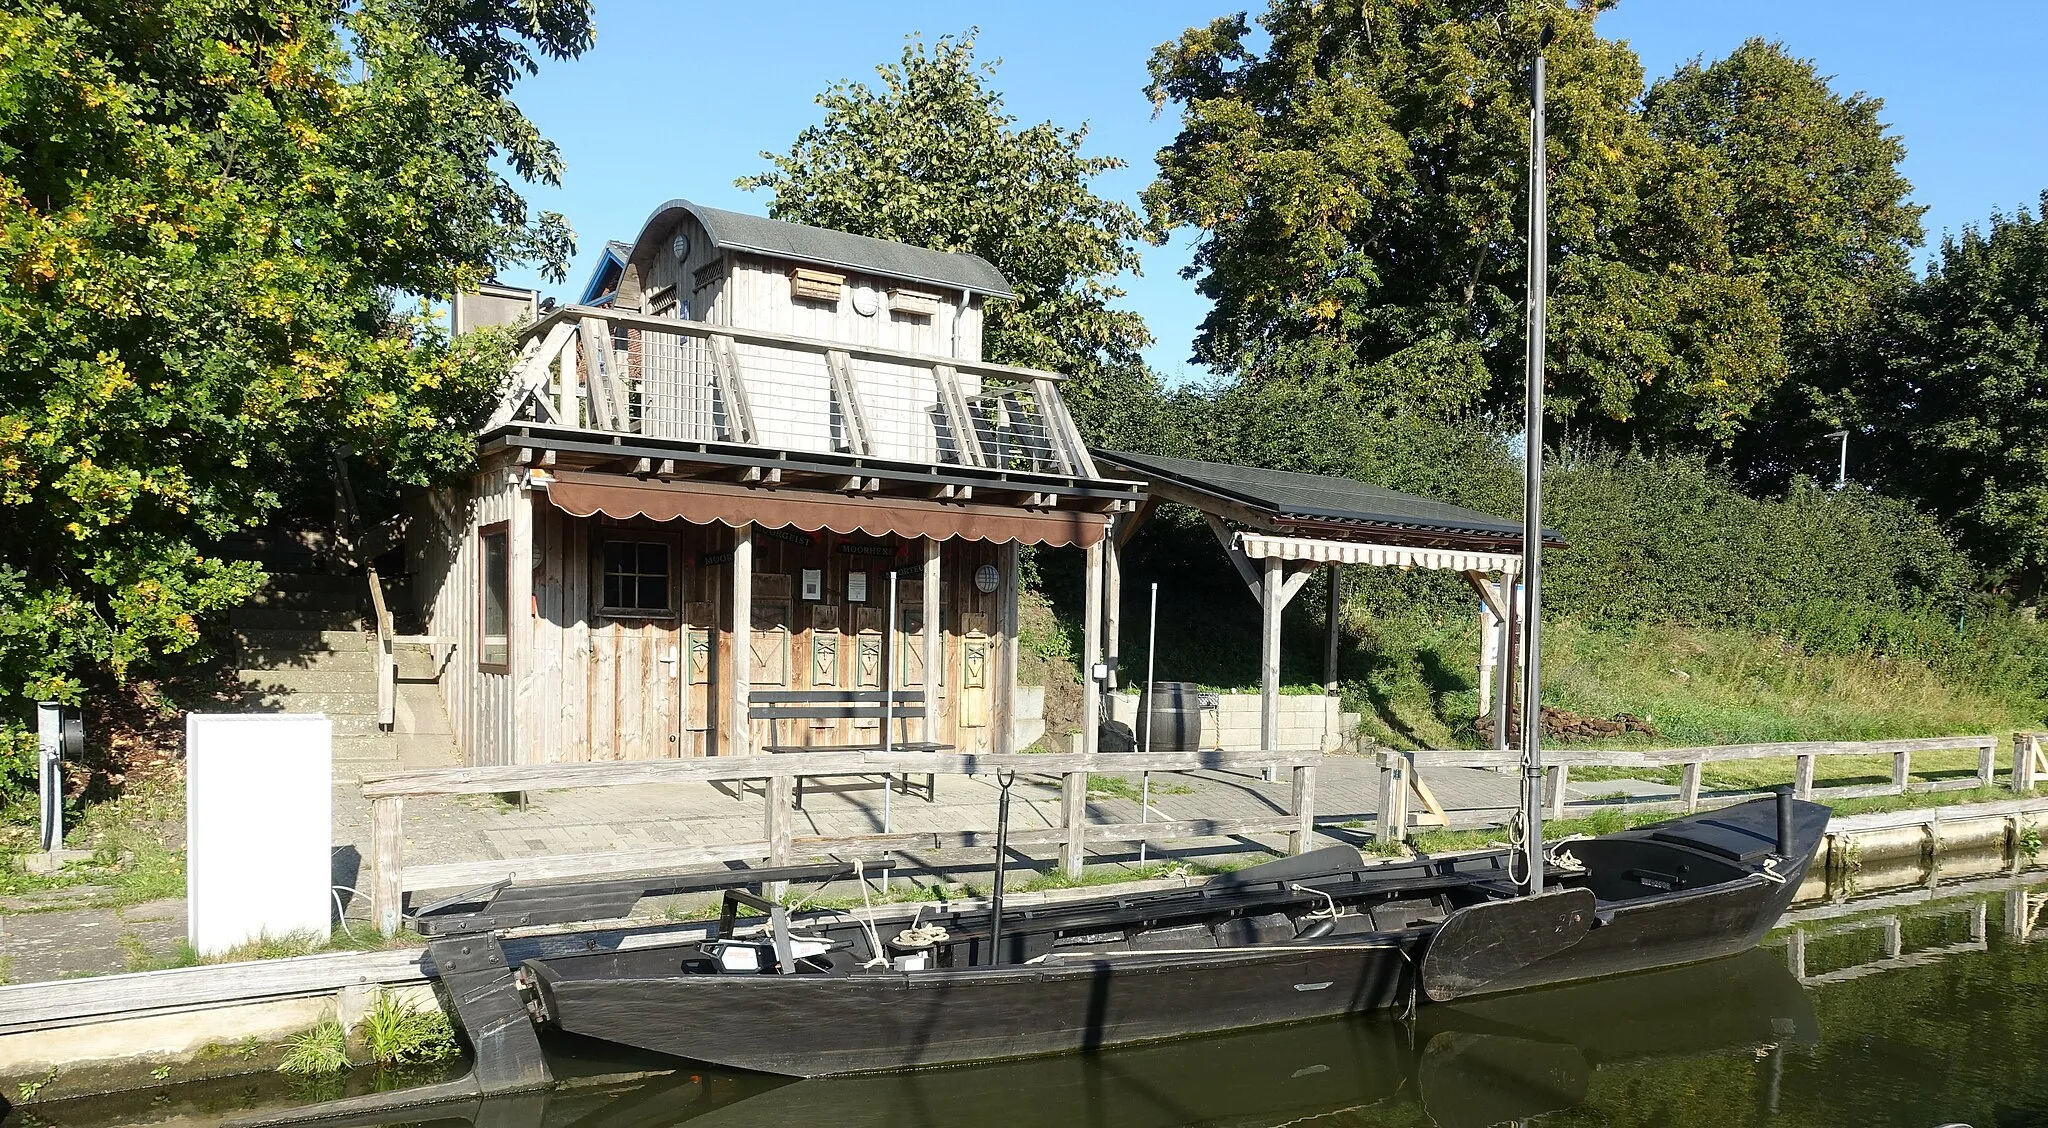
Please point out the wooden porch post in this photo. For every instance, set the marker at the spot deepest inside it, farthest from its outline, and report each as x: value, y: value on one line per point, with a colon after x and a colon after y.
x: 519, y: 629
x: 1091, y: 652
x: 1269, y: 658
x: 1005, y: 713
x: 1113, y: 602
x: 741, y: 730
x: 1333, y: 629
x: 933, y: 658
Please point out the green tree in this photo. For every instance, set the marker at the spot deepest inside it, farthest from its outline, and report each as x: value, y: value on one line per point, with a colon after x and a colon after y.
x: 931, y: 158
x: 212, y: 219
x: 1776, y: 177
x: 1359, y: 188
x: 1956, y: 408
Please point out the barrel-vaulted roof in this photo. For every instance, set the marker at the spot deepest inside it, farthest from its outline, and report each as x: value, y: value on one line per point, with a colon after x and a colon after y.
x: 738, y: 231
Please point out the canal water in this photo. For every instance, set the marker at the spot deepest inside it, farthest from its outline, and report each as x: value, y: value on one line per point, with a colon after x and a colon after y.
x: 1914, y: 1008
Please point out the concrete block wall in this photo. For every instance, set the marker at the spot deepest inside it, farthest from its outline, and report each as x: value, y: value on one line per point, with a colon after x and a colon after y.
x: 1307, y: 720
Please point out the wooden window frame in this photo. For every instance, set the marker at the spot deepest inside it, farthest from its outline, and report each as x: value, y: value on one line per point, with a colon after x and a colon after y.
x: 626, y: 535
x: 483, y: 597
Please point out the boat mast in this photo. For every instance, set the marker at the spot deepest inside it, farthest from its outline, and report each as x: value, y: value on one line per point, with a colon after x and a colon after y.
x: 1532, y: 486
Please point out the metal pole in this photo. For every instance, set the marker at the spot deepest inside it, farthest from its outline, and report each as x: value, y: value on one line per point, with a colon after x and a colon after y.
x: 995, y: 898
x: 1532, y: 490
x: 50, y: 772
x: 1151, y: 649
x: 888, y: 714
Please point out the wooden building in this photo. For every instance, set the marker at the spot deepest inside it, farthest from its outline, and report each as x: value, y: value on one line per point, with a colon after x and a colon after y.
x: 703, y: 478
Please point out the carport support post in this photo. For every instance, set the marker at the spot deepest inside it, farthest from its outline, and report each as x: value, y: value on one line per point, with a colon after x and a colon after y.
x: 1112, y: 604
x: 1269, y: 659
x: 519, y: 626
x: 1332, y: 628
x: 933, y: 657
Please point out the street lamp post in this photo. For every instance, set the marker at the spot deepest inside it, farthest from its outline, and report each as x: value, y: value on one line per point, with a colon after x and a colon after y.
x: 1842, y: 471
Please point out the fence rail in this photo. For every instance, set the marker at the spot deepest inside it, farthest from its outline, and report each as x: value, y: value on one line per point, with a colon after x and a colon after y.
x: 779, y: 844
x: 1399, y: 770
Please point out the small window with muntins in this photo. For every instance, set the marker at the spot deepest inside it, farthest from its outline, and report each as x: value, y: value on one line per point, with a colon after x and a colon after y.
x: 636, y: 579
x: 494, y: 646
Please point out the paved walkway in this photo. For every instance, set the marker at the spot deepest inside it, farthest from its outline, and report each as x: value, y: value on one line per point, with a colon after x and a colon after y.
x: 598, y: 820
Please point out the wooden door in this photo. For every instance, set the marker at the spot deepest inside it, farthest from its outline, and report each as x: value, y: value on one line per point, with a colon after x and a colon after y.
x: 639, y: 647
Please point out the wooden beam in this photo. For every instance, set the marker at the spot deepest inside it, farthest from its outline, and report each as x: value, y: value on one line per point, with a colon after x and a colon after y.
x: 740, y: 740
x: 1270, y: 607
x: 1210, y: 504
x: 1294, y: 582
x: 730, y: 380
x: 934, y: 656
x: 1487, y: 595
x: 1091, y: 650
x: 387, y: 863
x: 1333, y: 627
x: 1073, y: 822
x: 635, y: 773
x: 521, y: 616
x: 853, y: 418
x: 1112, y: 607
x: 1134, y: 519
x: 959, y: 420
x: 1238, y: 559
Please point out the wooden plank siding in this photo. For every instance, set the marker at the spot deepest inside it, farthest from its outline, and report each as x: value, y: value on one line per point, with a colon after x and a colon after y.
x: 607, y: 686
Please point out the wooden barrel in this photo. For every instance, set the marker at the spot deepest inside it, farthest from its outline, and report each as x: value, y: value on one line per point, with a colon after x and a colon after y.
x: 1174, y: 715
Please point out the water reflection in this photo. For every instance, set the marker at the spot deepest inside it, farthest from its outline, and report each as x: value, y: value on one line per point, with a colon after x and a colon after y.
x: 1916, y: 1008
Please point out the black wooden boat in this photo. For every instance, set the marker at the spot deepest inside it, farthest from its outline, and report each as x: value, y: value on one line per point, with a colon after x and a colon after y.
x: 1472, y: 1063
x: 1320, y: 935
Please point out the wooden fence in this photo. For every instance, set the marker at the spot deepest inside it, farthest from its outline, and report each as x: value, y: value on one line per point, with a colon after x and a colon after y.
x: 1398, y: 779
x: 779, y: 844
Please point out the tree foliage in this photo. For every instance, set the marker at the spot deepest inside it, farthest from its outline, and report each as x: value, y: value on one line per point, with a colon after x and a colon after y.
x: 1777, y: 178
x: 1359, y: 188
x: 1956, y: 406
x: 212, y: 215
x: 930, y: 157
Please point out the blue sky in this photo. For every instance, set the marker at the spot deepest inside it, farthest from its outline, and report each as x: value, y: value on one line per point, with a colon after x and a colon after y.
x: 679, y: 99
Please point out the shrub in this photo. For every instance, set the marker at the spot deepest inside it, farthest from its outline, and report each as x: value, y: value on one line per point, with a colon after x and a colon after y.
x: 397, y: 1032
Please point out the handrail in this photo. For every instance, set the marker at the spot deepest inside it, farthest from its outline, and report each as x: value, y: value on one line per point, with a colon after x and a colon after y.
x: 387, y: 658
x: 539, y: 329
x: 1393, y: 814
x: 779, y: 842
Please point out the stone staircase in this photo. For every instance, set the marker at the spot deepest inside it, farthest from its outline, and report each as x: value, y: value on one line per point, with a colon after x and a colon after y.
x: 306, y: 645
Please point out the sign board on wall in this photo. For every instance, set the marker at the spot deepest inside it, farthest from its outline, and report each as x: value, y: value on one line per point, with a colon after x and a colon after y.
x: 258, y: 827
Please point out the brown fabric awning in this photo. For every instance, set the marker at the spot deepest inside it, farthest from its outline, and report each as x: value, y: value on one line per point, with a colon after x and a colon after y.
x: 701, y: 503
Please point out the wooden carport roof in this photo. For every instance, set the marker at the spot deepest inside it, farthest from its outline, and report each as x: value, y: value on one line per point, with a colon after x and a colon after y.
x: 1318, y: 506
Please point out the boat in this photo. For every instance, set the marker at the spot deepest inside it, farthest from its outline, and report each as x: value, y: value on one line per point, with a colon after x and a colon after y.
x: 1314, y: 936
x: 1479, y: 1061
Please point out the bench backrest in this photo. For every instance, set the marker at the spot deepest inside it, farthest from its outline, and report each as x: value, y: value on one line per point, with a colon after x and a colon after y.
x: 831, y: 704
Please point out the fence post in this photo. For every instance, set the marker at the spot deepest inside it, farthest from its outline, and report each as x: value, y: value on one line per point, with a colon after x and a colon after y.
x: 1393, y: 788
x: 1560, y: 774
x: 1802, y: 781
x: 1987, y: 763
x: 387, y: 862
x: 1902, y: 769
x: 1299, y: 840
x: 1689, y: 786
x: 1074, y: 818
x: 2023, y: 762
x: 777, y: 827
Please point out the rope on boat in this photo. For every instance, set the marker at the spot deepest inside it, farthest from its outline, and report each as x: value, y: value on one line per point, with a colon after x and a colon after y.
x: 868, y: 920
x: 1770, y: 871
x: 1330, y: 911
x: 1565, y: 859
x: 917, y: 935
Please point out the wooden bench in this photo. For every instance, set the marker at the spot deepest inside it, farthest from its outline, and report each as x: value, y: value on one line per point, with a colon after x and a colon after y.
x: 804, y: 705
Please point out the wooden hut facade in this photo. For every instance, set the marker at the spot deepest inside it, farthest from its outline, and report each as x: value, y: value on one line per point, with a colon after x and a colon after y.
x: 701, y: 482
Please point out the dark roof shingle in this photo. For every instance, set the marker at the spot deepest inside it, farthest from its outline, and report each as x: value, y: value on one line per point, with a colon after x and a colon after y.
x: 1284, y: 494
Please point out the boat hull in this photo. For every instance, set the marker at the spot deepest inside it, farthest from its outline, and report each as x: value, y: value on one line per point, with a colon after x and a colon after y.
x: 818, y: 1026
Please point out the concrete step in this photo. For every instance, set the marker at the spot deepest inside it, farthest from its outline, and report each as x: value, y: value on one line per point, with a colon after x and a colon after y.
x: 258, y: 663
x: 296, y: 599
x: 317, y: 582
x: 278, y: 619
x: 306, y: 643
x: 358, y: 678
x: 335, y: 705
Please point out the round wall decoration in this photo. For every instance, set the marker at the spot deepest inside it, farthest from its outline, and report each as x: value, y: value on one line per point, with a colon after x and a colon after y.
x: 987, y: 579
x: 865, y: 301
x: 681, y: 247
